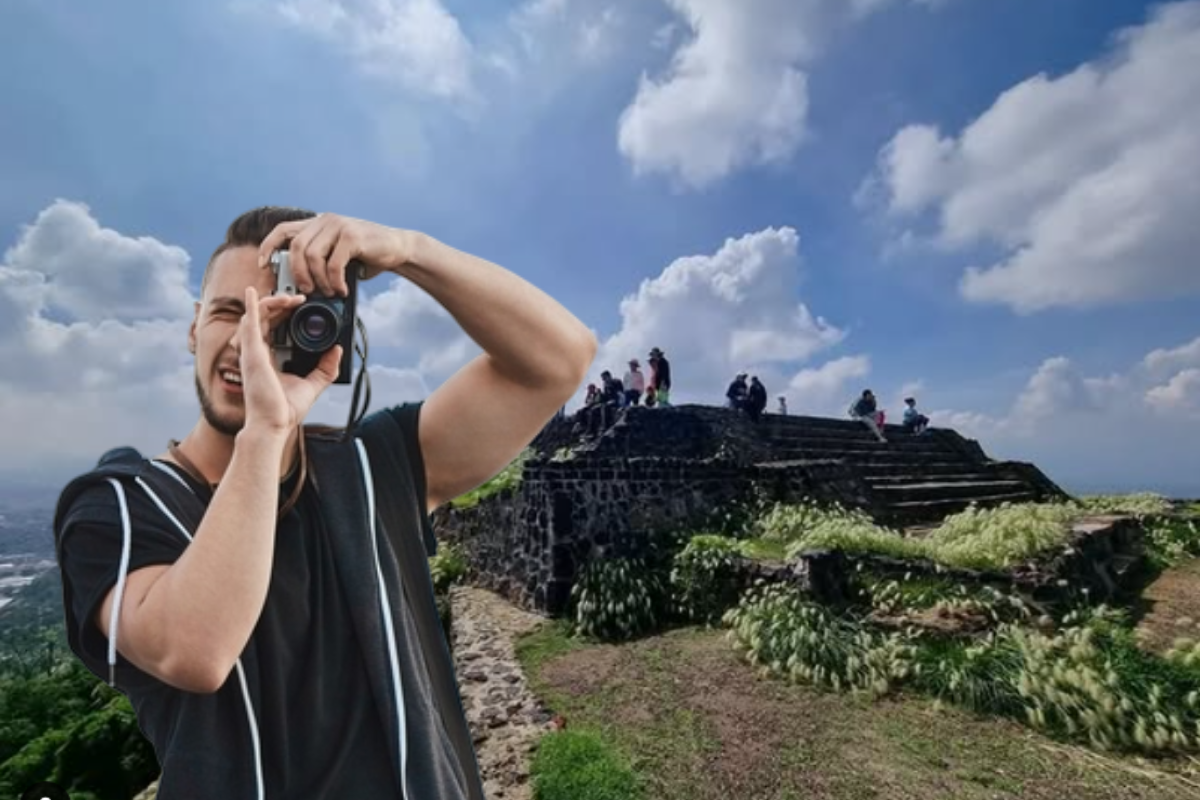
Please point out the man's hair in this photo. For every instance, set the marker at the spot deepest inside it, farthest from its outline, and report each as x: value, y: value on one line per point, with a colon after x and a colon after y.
x: 251, y: 228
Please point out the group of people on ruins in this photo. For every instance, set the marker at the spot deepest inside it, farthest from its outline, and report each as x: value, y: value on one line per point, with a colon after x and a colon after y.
x: 749, y: 396
x: 865, y: 409
x: 636, y: 387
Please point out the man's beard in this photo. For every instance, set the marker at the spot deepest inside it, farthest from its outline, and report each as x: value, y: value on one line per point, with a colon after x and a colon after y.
x: 229, y: 427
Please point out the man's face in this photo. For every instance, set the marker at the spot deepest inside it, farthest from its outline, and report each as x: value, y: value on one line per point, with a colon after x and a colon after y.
x: 213, y: 336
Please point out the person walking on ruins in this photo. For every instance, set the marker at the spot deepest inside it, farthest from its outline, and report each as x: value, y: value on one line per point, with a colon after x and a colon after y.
x: 635, y: 383
x: 866, y: 412
x: 756, y: 399
x: 660, y: 377
x: 272, y: 634
x: 735, y: 394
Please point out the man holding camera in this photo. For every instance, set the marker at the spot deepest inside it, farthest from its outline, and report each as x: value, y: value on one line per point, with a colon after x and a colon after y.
x: 245, y: 588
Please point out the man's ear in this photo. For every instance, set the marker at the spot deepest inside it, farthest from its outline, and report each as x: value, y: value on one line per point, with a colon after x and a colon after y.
x: 192, y: 330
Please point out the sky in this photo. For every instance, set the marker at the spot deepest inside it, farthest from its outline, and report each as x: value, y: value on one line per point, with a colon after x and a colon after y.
x: 989, y: 204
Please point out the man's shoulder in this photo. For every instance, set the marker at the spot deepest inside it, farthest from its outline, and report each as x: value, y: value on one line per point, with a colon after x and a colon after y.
x: 88, y: 489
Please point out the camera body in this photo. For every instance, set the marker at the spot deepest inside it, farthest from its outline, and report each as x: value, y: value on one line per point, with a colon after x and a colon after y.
x: 319, y: 323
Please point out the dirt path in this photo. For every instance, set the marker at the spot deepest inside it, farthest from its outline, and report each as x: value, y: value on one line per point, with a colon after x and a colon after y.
x: 708, y: 727
x: 1172, y: 604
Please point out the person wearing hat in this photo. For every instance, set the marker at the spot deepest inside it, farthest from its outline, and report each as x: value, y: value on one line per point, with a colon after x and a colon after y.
x: 660, y: 377
x: 635, y: 383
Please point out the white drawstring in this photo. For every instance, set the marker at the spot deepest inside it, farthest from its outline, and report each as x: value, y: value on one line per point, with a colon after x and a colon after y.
x: 389, y: 627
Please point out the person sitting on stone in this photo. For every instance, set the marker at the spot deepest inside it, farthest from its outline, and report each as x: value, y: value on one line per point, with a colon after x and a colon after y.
x: 593, y: 396
x: 914, y: 421
x: 735, y: 395
x: 635, y: 383
x: 613, y: 391
x: 756, y: 399
x: 865, y: 411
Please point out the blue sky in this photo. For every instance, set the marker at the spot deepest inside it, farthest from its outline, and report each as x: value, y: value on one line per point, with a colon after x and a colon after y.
x: 984, y: 202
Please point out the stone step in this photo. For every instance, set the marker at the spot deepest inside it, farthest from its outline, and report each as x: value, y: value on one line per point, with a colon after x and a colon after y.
x: 895, y: 494
x: 796, y: 423
x: 855, y: 431
x: 905, y: 474
x: 912, y: 511
x: 870, y: 460
x: 926, y: 470
x: 907, y: 444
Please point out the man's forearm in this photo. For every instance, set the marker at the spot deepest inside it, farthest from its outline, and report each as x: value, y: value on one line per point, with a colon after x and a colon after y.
x: 532, y: 339
x: 206, y: 606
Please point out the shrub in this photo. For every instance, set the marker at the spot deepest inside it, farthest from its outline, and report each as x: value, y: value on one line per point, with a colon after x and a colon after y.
x: 789, y: 523
x: 508, y: 479
x: 1169, y: 541
x: 997, y: 538
x: 797, y: 639
x: 578, y: 765
x: 1141, y: 504
x: 447, y: 567
x: 615, y: 599
x: 704, y: 578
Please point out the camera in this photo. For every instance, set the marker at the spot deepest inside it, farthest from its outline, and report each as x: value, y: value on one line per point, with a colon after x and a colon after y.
x: 319, y: 323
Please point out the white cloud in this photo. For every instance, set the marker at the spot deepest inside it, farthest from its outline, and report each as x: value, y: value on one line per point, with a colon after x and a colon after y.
x: 417, y: 43
x: 1178, y: 396
x: 1163, y: 360
x: 715, y: 315
x: 736, y: 92
x: 1085, y: 180
x: 93, y: 336
x: 827, y: 390
x: 1121, y: 432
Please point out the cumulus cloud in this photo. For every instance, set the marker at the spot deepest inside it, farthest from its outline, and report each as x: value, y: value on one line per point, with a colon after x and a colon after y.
x: 416, y: 328
x: 1180, y: 395
x: 827, y: 390
x: 1165, y: 360
x: 94, y: 322
x: 1084, y: 180
x: 1121, y: 432
x: 736, y: 91
x: 417, y: 43
x: 715, y: 315
x: 93, y: 335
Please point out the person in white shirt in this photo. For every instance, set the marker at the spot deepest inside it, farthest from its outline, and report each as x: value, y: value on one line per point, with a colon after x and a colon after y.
x: 635, y: 383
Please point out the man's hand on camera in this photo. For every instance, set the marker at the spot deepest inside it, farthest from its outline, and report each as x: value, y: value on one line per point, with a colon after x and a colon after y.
x: 322, y: 246
x: 275, y: 401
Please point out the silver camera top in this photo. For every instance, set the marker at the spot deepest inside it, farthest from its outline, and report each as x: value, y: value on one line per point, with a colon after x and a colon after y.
x: 281, y: 265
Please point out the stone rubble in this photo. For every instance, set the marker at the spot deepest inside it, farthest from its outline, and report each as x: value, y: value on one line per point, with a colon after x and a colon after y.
x: 505, y: 717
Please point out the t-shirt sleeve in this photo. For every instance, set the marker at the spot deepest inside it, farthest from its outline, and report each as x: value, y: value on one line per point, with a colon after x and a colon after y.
x: 90, y: 548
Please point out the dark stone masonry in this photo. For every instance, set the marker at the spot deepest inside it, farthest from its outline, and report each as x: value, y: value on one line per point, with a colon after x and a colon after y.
x: 617, y: 482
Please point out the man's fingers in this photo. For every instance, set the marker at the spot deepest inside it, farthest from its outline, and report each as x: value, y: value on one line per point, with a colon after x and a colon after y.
x: 275, y: 240
x: 316, y: 257
x: 326, y: 370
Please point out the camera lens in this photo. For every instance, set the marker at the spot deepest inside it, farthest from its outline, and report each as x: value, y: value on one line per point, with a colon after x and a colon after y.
x: 315, y: 327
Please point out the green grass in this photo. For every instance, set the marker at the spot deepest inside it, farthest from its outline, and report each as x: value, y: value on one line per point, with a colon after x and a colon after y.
x: 508, y: 479
x: 581, y: 765
x: 697, y: 725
